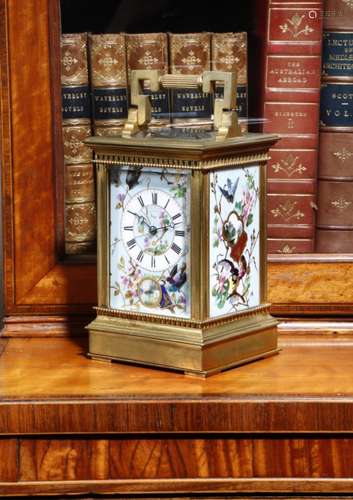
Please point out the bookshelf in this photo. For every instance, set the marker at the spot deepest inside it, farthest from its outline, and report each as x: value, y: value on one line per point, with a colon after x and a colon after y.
x: 41, y: 287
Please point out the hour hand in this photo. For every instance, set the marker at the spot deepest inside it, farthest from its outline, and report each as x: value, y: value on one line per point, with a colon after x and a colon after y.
x: 140, y: 218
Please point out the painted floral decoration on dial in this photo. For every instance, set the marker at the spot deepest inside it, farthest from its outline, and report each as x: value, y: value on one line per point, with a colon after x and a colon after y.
x: 150, y: 241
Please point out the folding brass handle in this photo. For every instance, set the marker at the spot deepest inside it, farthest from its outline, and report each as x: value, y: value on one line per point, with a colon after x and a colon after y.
x: 225, y: 117
x: 180, y: 81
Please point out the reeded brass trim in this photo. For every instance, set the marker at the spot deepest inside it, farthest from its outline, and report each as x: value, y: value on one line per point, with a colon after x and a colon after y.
x: 206, y: 165
x: 103, y: 254
x: 209, y: 323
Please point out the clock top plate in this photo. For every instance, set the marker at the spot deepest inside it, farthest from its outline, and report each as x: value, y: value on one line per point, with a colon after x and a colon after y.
x: 173, y: 143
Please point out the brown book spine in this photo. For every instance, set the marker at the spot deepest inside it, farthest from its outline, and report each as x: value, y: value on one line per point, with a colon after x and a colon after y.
x: 190, y: 54
x: 335, y: 194
x: 80, y: 210
x: 107, y: 55
x: 335, y: 187
x: 230, y: 53
x: 338, y: 14
x: 150, y: 51
x: 291, y: 109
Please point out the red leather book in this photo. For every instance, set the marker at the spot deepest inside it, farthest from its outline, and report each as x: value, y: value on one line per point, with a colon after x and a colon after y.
x: 291, y: 109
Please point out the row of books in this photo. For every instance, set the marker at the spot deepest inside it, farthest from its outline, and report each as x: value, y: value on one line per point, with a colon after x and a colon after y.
x: 308, y: 52
x: 308, y: 101
x: 96, y: 71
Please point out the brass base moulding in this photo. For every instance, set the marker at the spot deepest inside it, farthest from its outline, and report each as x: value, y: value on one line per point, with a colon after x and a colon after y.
x: 200, y: 351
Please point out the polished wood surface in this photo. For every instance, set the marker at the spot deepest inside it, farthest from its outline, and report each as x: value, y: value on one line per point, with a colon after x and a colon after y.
x: 325, y: 285
x: 54, y: 388
x: 72, y: 425
x: 8, y: 466
x: 185, y: 457
x: 312, y: 369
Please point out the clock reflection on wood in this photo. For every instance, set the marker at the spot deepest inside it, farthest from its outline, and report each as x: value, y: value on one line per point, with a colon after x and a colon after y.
x: 181, y: 245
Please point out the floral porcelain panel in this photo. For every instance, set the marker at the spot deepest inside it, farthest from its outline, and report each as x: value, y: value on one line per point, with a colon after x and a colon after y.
x: 234, y: 243
x: 150, y: 241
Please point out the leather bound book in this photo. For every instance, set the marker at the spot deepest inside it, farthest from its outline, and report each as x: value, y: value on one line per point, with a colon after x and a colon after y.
x: 337, y: 106
x: 230, y: 53
x: 338, y: 15
x: 76, y: 103
x: 295, y: 25
x: 288, y: 246
x: 291, y: 170
x: 290, y: 210
x: 109, y: 83
x: 335, y: 187
x: 150, y: 51
x: 291, y: 109
x: 335, y: 193
x: 80, y: 210
x: 190, y: 54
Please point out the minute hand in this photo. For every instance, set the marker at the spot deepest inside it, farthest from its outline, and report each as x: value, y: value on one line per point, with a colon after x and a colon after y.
x: 168, y: 227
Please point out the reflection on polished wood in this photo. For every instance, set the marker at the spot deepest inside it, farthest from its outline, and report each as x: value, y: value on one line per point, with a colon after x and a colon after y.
x: 55, y: 368
x: 70, y: 425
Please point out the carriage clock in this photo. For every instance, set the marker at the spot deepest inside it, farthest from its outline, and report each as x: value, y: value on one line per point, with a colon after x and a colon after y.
x: 181, y: 238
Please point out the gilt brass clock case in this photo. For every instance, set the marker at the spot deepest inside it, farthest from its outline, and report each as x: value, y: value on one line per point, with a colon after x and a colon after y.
x: 227, y: 321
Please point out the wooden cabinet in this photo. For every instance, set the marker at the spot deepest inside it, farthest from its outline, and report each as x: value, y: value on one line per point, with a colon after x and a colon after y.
x: 70, y: 425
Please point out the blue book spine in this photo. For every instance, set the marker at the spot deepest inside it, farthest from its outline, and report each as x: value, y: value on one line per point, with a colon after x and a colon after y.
x: 337, y: 55
x: 336, y: 105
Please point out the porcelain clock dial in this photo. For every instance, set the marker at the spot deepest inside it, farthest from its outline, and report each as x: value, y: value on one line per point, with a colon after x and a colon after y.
x: 149, y: 241
x: 153, y: 229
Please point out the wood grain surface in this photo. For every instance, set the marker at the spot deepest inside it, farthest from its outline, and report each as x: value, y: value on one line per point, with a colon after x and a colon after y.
x: 311, y: 283
x: 170, y: 487
x: 280, y: 425
x: 36, y: 281
x: 182, y: 458
x: 311, y: 369
x: 8, y: 459
x: 49, y: 386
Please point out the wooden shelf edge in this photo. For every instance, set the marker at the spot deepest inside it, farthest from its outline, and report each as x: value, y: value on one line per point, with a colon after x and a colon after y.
x: 45, y: 326
x: 194, y: 486
x: 300, y: 415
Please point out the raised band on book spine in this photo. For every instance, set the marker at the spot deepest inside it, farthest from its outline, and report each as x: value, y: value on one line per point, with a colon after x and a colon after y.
x: 107, y: 56
x: 230, y: 53
x: 150, y: 51
x: 80, y: 209
x: 190, y: 54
